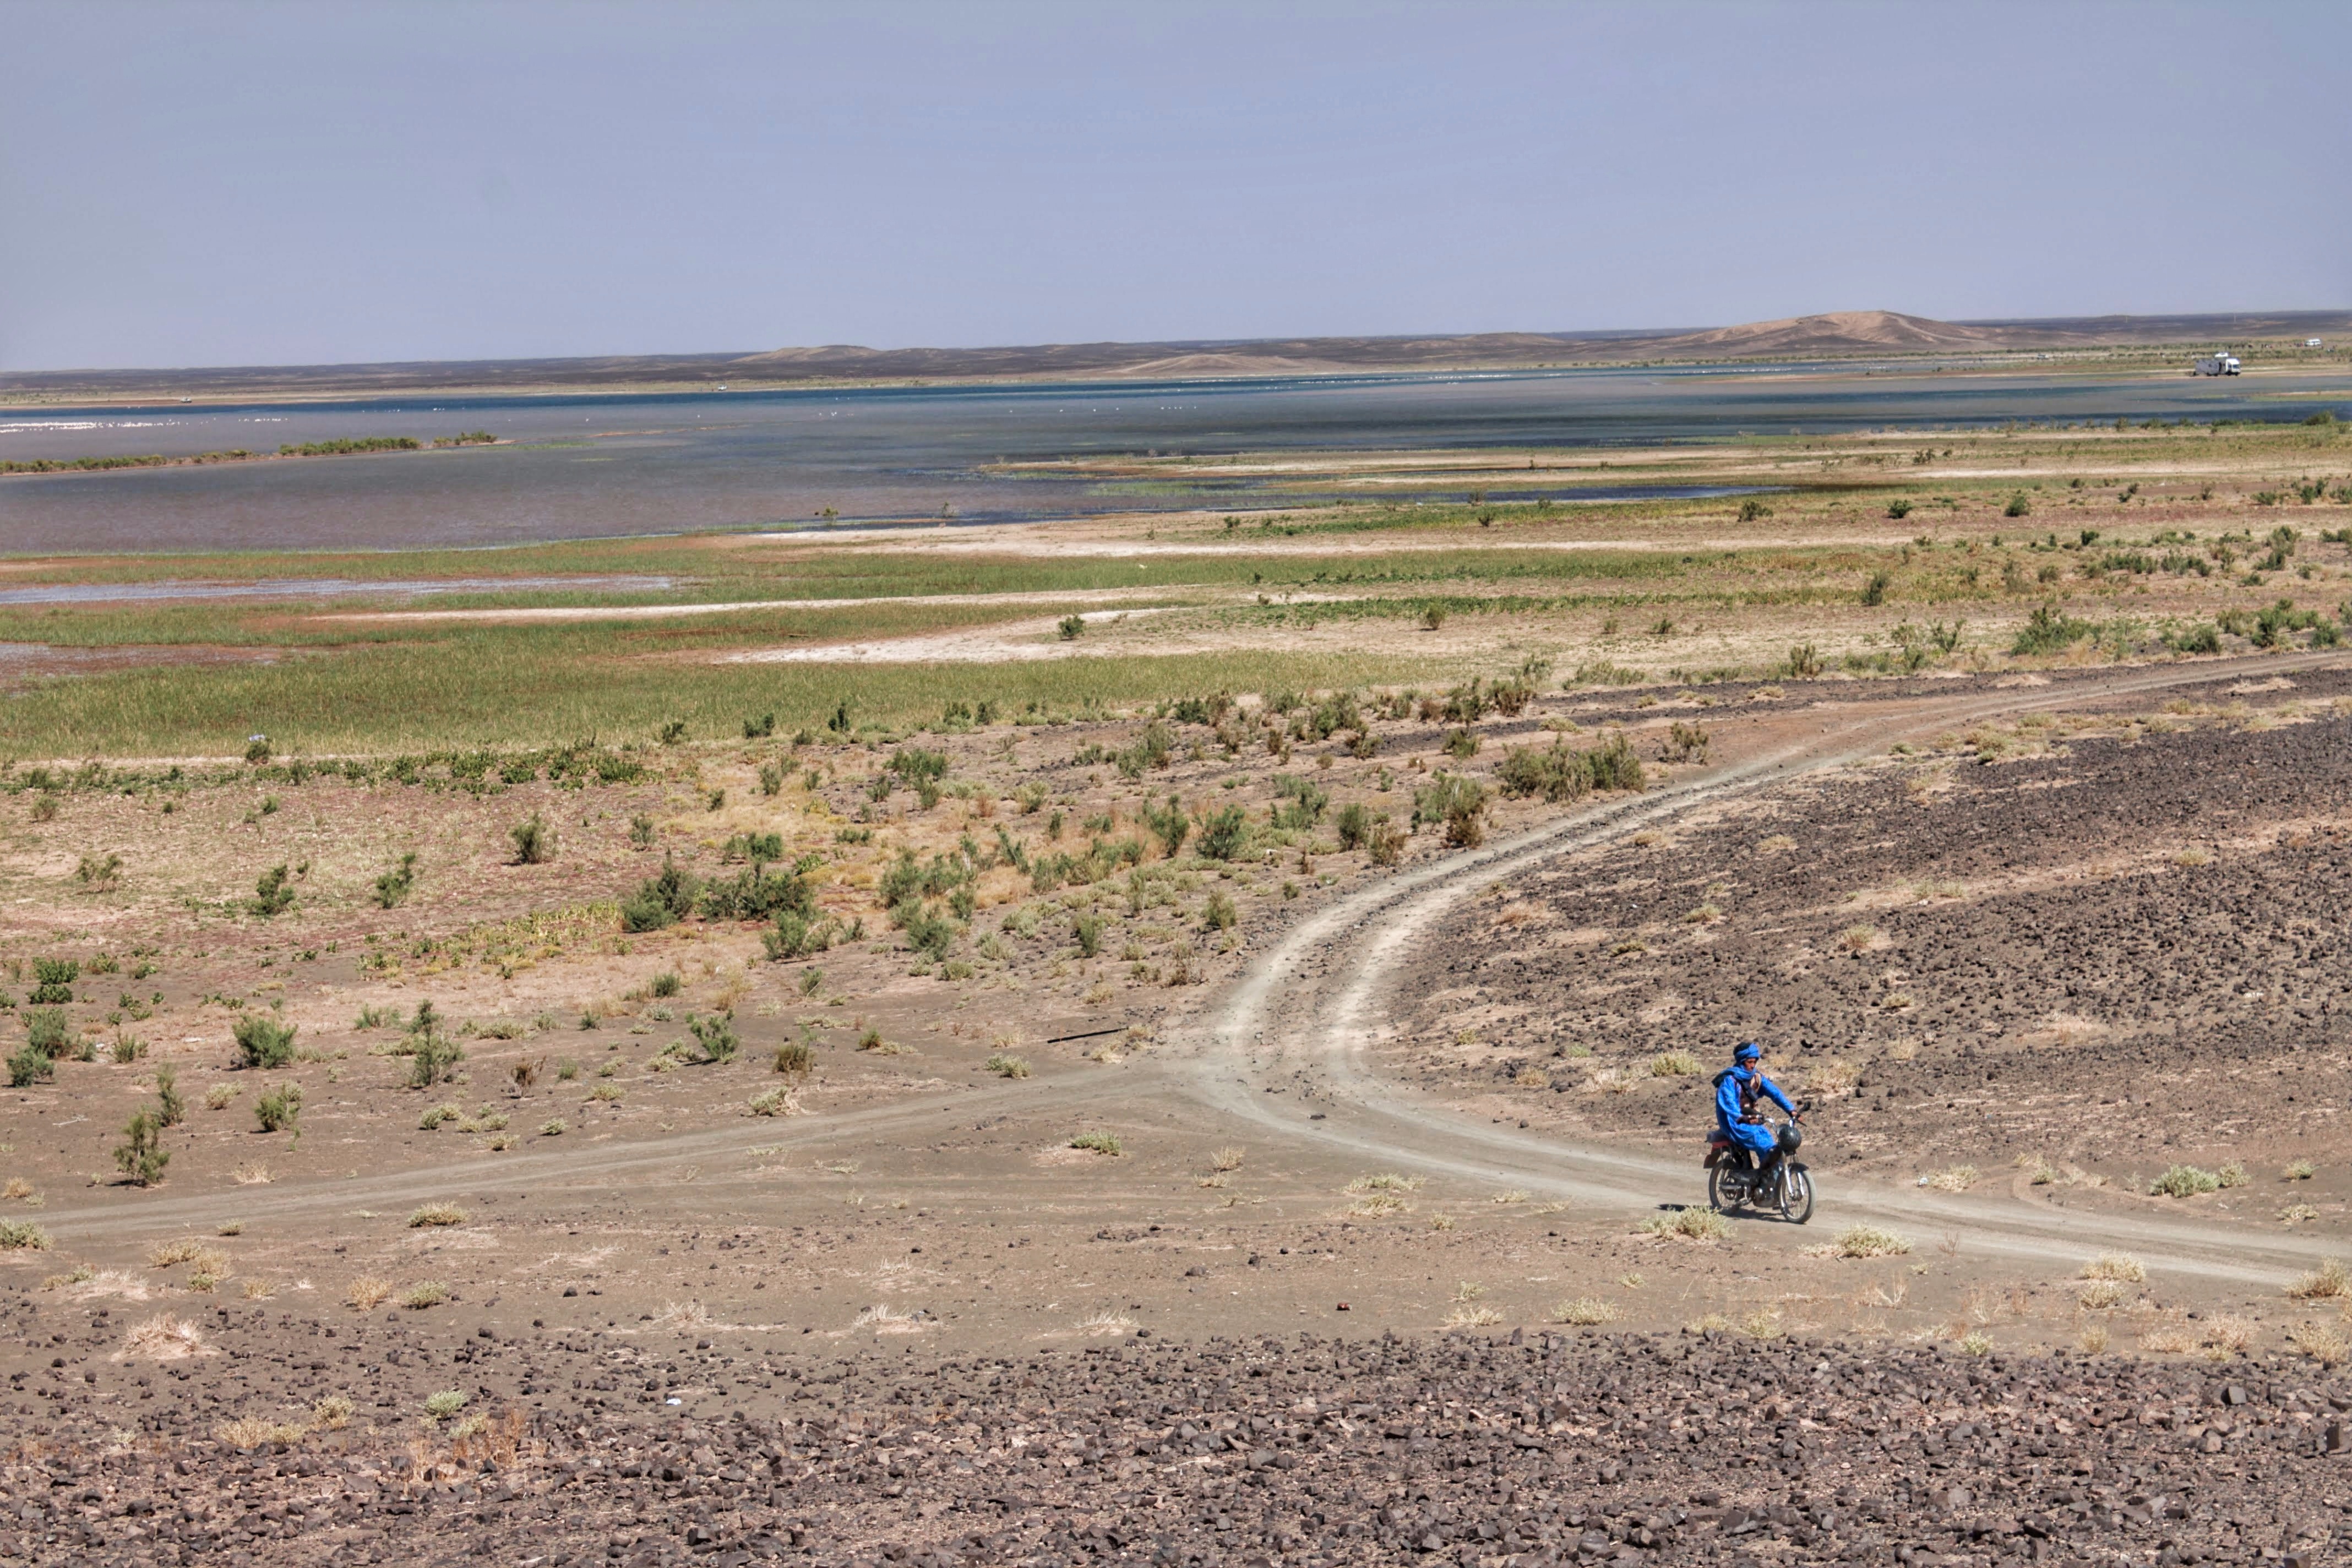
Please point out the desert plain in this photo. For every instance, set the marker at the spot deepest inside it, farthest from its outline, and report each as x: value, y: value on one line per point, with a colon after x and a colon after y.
x: 1187, y: 1037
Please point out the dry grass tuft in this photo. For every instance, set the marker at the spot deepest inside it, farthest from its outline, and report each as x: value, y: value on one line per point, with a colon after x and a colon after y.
x: 1585, y: 1312
x: 1688, y: 1224
x: 1951, y: 1179
x: 164, y: 1338
x: 1832, y: 1077
x: 1869, y: 1241
x: 2227, y: 1335
x: 1229, y: 1158
x: 435, y: 1215
x: 1103, y: 1325
x: 2096, y: 1294
x: 682, y: 1315
x: 2330, y: 1282
x: 2120, y: 1266
x: 2321, y: 1344
x: 884, y: 1319
x: 1473, y: 1318
x: 258, y: 1431
x: 1672, y: 1064
x: 368, y: 1293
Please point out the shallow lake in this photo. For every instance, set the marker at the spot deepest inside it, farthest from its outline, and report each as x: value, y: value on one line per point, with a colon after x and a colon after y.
x: 600, y: 467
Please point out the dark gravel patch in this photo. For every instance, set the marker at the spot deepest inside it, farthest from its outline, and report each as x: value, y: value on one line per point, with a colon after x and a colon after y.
x: 1536, y: 1449
x: 2189, y: 990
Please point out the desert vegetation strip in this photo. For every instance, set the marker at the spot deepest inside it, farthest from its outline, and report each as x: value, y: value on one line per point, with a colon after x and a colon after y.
x: 340, y: 446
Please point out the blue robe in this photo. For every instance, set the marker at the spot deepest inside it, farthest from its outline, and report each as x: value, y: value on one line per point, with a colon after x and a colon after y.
x: 1732, y: 1091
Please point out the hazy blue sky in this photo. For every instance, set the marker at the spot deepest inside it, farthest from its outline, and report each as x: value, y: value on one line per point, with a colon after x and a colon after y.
x: 238, y: 182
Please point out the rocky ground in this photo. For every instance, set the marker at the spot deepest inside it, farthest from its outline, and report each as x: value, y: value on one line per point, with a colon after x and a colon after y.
x: 1530, y: 1448
x: 2104, y: 939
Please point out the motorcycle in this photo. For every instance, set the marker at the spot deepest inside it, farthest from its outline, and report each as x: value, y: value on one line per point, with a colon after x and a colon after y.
x: 1733, y: 1181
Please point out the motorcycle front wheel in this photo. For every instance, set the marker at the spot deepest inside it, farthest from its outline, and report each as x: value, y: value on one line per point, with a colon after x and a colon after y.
x: 1797, y: 1195
x: 1727, y: 1188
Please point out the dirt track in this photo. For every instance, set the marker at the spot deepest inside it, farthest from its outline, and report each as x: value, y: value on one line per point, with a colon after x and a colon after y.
x: 1291, y: 1047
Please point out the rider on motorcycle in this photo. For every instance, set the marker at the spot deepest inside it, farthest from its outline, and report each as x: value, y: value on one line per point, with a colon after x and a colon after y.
x: 1737, y: 1089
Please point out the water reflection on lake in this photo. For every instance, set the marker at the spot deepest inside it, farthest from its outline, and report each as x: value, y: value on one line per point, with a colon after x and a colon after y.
x: 600, y: 467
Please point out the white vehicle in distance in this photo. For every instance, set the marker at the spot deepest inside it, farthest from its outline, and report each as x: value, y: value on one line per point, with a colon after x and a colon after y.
x: 2222, y: 363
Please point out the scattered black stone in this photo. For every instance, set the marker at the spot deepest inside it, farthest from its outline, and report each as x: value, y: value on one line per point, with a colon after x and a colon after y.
x: 1584, y: 1448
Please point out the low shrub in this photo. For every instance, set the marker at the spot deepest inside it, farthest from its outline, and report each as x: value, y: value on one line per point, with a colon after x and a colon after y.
x: 660, y: 902
x: 54, y: 979
x: 716, y: 1035
x: 2050, y: 630
x: 22, y: 1236
x: 1459, y: 803
x: 1098, y: 1143
x: 535, y: 841
x: 263, y: 1040
x: 30, y: 1065
x: 48, y: 1029
x: 1225, y: 833
x: 273, y: 895
x: 1006, y: 1066
x: 391, y: 889
x: 280, y: 1109
x: 142, y: 1155
x: 2184, y: 1180
x: 1560, y: 772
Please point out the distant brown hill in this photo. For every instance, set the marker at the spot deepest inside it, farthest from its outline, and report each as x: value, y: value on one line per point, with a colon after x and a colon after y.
x: 1853, y: 332
x: 1838, y: 334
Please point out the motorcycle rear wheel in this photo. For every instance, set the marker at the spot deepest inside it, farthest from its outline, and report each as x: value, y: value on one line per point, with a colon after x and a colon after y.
x: 1727, y: 1188
x: 1796, y: 1195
